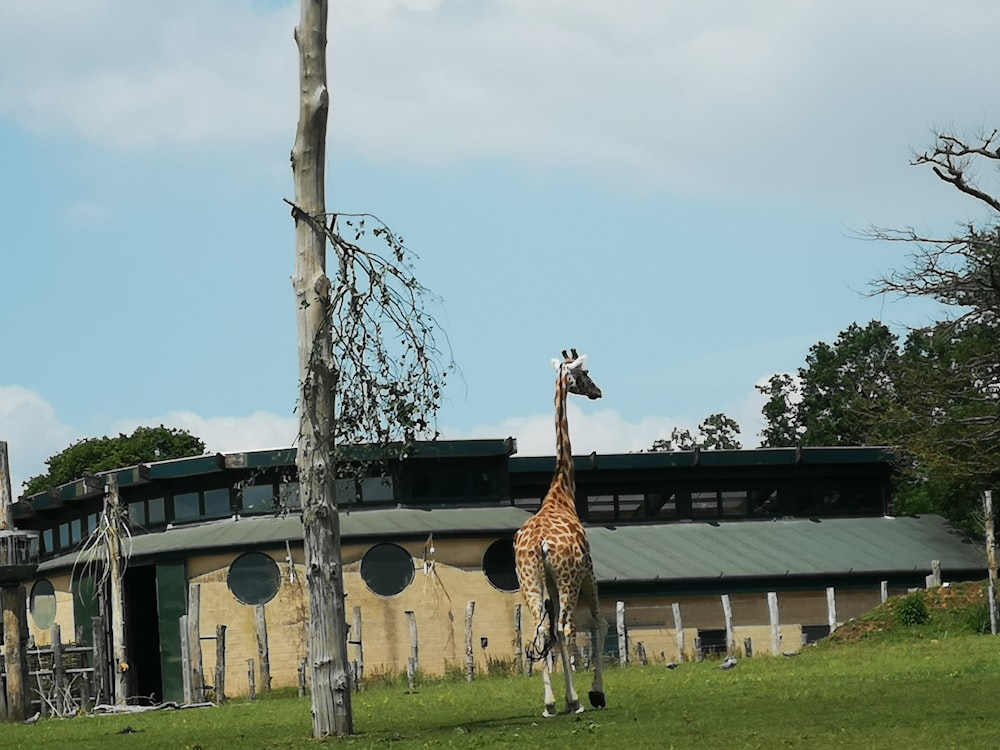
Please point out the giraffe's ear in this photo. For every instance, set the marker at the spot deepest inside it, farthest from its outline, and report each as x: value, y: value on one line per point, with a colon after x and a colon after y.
x: 579, y: 363
x: 557, y: 363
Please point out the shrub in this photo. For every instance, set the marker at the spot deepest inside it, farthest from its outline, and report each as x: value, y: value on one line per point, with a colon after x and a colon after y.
x: 913, y: 610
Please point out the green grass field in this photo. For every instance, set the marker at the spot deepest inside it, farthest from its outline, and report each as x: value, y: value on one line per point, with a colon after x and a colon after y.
x: 887, y: 685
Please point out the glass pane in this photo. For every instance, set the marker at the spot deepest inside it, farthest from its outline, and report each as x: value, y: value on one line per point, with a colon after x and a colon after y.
x: 258, y: 498
x: 157, y: 514
x: 376, y: 490
x: 288, y: 495
x: 186, y: 506
x: 75, y: 531
x: 387, y: 569
x: 63, y: 535
x: 137, y: 513
x: 43, y: 604
x: 347, y: 492
x: 254, y: 578
x: 217, y: 503
x: 48, y: 541
x: 498, y: 565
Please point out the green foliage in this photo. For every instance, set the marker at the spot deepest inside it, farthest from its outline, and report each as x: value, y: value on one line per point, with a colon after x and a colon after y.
x: 717, y: 431
x: 91, y: 455
x: 913, y: 611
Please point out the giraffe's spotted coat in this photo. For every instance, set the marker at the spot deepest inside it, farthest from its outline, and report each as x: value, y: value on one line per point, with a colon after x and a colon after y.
x: 552, y: 554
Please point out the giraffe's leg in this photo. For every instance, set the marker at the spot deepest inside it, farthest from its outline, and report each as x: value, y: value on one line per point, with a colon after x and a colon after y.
x: 550, y: 698
x: 532, y: 580
x: 567, y: 645
x: 589, y: 589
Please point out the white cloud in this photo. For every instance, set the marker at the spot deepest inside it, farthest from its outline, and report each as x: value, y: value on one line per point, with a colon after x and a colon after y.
x: 721, y: 97
x: 33, y: 432
x: 607, y: 431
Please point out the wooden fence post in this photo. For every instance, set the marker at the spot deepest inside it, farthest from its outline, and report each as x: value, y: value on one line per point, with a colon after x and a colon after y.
x: 679, y: 630
x: 518, y: 639
x: 58, y: 688
x: 411, y: 618
x: 251, y: 681
x: 883, y: 591
x: 936, y: 573
x: 470, y: 655
x: 220, y: 663
x: 727, y: 616
x: 186, y: 659
x: 831, y: 608
x: 991, y: 558
x: 359, y: 646
x: 302, y: 677
x: 100, y: 639
x: 640, y: 652
x: 194, y: 641
x: 262, y: 648
x: 622, y: 633
x: 772, y: 613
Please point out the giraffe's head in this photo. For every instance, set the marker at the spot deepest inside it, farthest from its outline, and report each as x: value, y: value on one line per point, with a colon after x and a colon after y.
x: 573, y: 367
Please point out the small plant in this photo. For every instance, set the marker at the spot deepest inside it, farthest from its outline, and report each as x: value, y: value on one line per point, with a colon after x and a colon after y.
x: 913, y: 610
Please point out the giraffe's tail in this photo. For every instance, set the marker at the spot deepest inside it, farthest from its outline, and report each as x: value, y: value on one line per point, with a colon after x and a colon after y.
x: 545, y: 634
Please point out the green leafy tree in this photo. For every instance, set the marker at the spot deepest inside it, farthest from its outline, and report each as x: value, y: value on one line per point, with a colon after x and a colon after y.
x: 717, y: 431
x: 91, y: 455
x: 840, y: 397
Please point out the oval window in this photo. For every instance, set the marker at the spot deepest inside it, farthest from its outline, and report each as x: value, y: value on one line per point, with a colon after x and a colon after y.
x: 387, y: 569
x: 43, y: 604
x: 254, y: 578
x: 498, y: 565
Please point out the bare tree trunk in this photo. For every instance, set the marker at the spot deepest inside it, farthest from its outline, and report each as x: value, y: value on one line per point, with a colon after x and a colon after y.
x: 115, y: 574
x: 331, y: 695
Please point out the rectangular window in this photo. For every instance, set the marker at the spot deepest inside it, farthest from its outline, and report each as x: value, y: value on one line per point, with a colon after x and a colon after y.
x: 734, y: 503
x: 704, y: 505
x: 75, y: 531
x: 186, y: 506
x: 601, y: 508
x: 63, y: 535
x: 137, y: 513
x: 48, y: 541
x: 347, y: 492
x: 662, y: 505
x: 156, y: 512
x: 631, y: 507
x: 258, y: 498
x: 217, y: 503
x: 288, y: 495
x: 376, y: 490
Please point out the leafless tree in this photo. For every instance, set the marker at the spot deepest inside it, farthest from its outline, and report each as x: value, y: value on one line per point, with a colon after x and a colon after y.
x: 368, y: 367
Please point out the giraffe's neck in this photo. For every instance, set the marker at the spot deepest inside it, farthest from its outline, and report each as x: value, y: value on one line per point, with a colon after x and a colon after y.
x: 563, y: 488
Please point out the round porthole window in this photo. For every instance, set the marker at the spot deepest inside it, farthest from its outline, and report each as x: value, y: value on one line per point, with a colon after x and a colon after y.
x: 254, y: 578
x: 43, y: 604
x: 387, y: 569
x: 498, y: 565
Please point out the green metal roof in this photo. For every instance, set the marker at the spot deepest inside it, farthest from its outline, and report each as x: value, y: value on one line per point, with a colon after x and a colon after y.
x: 264, y: 530
x: 796, y: 547
x: 632, y: 554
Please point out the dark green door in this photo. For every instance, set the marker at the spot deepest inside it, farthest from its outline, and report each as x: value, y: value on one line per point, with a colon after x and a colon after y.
x: 171, y: 594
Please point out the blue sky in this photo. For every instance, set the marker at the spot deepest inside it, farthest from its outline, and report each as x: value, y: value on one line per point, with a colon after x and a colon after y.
x: 673, y: 188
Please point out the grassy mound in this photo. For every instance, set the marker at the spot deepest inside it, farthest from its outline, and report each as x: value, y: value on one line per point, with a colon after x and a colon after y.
x: 957, y: 609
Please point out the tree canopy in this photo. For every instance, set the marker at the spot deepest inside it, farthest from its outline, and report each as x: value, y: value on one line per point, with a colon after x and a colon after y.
x: 717, y: 431
x: 91, y: 455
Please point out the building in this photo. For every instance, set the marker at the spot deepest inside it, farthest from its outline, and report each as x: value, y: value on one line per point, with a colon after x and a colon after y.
x: 220, y: 537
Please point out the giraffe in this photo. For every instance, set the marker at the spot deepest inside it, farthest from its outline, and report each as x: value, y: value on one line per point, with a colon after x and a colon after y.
x: 552, y: 556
